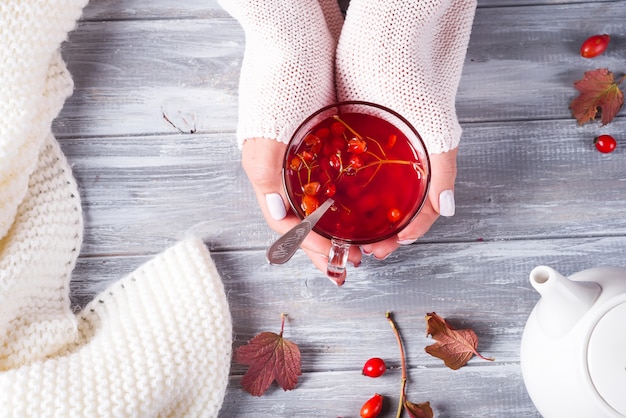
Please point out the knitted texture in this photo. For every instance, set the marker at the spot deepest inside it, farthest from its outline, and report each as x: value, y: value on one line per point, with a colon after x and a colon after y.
x: 287, y: 71
x: 40, y: 216
x: 158, y: 342
x: 407, y: 55
x: 155, y: 344
x: 36, y: 260
x: 30, y: 34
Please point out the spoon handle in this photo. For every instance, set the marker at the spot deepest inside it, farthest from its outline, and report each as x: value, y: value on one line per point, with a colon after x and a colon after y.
x: 285, y: 247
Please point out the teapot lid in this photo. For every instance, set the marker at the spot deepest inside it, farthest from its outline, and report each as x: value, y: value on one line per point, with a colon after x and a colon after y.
x: 606, y: 357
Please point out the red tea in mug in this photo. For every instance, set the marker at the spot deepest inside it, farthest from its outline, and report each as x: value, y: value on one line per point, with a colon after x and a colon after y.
x: 367, y: 165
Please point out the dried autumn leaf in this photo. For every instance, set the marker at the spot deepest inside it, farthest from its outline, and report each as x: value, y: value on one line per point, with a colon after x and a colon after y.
x: 454, y: 347
x: 419, y: 410
x: 598, y: 90
x: 270, y: 357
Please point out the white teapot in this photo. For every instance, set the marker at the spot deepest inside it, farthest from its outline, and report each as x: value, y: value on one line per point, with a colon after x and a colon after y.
x: 573, y: 352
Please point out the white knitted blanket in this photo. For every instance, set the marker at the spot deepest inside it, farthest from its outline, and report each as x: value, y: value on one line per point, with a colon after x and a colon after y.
x: 158, y: 342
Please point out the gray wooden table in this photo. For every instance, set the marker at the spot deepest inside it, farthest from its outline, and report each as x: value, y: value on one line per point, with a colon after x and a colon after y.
x: 531, y: 190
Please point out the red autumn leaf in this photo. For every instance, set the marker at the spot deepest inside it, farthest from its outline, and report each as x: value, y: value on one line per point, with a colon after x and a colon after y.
x: 598, y: 90
x: 270, y: 357
x: 419, y: 410
x: 454, y: 347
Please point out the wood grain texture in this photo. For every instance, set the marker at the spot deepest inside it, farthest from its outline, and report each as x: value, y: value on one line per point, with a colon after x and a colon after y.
x: 530, y: 190
x: 521, y: 64
x: 516, y: 180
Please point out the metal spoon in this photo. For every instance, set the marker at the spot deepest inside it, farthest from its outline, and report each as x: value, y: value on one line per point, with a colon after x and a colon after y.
x: 285, y: 247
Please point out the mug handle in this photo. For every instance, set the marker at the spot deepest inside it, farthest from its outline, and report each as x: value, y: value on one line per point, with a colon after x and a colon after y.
x: 337, y: 260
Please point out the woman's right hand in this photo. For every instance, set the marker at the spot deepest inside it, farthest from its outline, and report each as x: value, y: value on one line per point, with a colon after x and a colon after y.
x: 262, y: 160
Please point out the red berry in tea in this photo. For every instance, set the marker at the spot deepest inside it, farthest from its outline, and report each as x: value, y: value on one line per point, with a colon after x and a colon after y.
x: 374, y: 367
x: 309, y: 204
x: 357, y: 145
x: 312, y: 188
x: 322, y: 133
x: 354, y: 162
x: 367, y: 165
x: 394, y: 215
x: 330, y: 189
x: 337, y: 128
x: 335, y: 161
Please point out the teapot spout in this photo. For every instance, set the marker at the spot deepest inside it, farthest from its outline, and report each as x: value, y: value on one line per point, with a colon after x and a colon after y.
x: 563, y: 301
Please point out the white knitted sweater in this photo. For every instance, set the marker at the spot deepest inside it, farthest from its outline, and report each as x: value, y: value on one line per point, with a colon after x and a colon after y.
x: 158, y: 342
x: 300, y: 56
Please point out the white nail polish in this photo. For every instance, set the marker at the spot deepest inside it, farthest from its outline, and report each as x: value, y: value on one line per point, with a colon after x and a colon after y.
x: 446, y: 203
x: 406, y: 241
x: 275, y: 206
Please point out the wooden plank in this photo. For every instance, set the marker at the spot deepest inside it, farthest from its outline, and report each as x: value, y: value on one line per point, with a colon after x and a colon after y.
x: 500, y: 3
x: 152, y: 10
x: 128, y: 72
x: 203, y: 9
x: 162, y: 9
x: 522, y: 62
x: 481, y: 285
x: 515, y: 180
x: 488, y: 392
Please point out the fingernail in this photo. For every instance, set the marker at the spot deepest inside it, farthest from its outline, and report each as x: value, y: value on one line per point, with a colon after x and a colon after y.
x: 446, y: 203
x: 338, y: 280
x: 383, y: 257
x: 275, y: 206
x: 407, y: 241
x: 365, y: 252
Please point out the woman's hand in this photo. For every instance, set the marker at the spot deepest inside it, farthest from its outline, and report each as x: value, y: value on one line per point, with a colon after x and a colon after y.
x: 262, y: 161
x: 440, y: 201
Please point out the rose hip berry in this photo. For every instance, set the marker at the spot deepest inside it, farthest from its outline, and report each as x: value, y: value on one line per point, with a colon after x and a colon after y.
x: 337, y: 128
x: 394, y: 215
x: 594, y: 46
x: 372, y: 408
x: 374, y: 367
x: 605, y: 143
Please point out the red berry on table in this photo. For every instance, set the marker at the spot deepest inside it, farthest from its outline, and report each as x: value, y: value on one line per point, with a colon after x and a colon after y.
x: 374, y: 367
x: 605, y: 143
x: 594, y: 46
x: 372, y: 408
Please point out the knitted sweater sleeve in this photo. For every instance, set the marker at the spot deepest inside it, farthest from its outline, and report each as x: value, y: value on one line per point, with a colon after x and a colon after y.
x: 408, y: 57
x: 287, y: 70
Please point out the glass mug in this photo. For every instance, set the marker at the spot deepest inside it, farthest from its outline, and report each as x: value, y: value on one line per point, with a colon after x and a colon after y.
x: 370, y: 161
